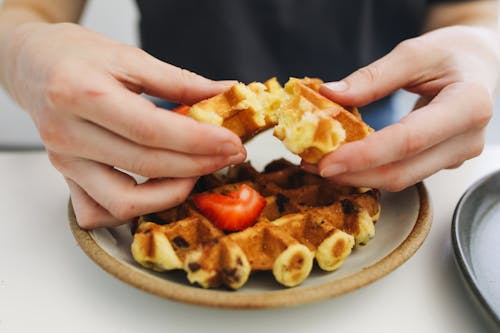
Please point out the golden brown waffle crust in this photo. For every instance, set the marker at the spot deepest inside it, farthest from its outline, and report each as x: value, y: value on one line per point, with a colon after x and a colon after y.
x: 309, y: 124
x: 307, y: 220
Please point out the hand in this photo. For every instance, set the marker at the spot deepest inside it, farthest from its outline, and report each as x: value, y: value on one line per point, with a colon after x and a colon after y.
x: 82, y: 91
x: 455, y: 71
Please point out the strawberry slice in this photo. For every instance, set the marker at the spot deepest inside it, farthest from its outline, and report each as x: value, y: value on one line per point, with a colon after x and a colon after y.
x: 182, y: 109
x: 235, y: 211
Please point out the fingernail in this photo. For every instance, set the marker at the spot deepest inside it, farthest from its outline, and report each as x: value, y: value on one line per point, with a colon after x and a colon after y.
x: 337, y: 86
x: 229, y: 148
x: 236, y: 159
x: 332, y: 170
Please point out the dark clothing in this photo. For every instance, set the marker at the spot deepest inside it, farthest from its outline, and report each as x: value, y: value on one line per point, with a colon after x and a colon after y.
x: 252, y: 40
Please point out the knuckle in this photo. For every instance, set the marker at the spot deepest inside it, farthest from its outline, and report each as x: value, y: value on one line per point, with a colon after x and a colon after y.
x: 143, y: 168
x: 122, y: 209
x: 475, y: 147
x: 55, y: 159
x: 207, y: 165
x: 89, y: 219
x: 411, y: 46
x: 59, y: 161
x: 184, y: 78
x: 125, y: 54
x: 416, y: 51
x: 54, y: 135
x: 134, y: 51
x: 369, y: 73
x: 455, y: 165
x: 366, y: 158
x: 396, y: 185
x: 148, y: 165
x: 187, y: 75
x: 412, y: 141
x: 179, y: 197
x: 483, y: 110
x: 130, y: 50
x: 60, y: 84
x: 396, y: 180
x: 143, y: 132
x: 70, y: 83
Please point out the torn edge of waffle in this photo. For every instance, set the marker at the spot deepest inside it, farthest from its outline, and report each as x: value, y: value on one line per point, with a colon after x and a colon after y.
x: 309, y: 124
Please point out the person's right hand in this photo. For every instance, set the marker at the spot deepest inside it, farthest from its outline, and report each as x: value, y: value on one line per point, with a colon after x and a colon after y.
x: 82, y: 91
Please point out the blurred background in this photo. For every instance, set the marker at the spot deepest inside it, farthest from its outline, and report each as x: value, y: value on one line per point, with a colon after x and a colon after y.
x: 118, y: 19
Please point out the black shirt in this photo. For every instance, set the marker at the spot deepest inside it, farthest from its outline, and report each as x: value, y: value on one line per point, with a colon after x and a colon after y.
x: 252, y: 40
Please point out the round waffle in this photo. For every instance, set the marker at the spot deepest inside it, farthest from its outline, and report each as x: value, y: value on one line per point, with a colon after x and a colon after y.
x: 306, y: 219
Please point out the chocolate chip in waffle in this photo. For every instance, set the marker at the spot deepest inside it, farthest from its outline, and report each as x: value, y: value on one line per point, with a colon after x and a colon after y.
x: 307, y: 218
x: 309, y: 124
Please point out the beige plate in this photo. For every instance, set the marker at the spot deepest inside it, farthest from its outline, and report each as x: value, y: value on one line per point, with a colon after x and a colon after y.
x: 404, y: 223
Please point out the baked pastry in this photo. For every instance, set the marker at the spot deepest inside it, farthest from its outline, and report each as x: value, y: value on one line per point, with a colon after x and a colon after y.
x: 309, y: 124
x: 305, y: 218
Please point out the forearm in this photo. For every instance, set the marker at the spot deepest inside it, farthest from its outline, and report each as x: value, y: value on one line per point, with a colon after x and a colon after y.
x: 14, y: 13
x: 474, y: 13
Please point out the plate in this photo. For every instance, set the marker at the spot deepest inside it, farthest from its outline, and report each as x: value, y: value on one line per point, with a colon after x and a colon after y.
x: 474, y: 233
x: 403, y: 225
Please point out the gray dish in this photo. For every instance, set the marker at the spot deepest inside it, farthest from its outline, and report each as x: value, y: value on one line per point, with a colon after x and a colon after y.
x: 476, y: 243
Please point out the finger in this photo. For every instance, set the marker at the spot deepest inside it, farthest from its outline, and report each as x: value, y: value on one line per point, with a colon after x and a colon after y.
x: 119, y: 193
x: 169, y: 82
x: 95, y: 143
x: 89, y: 214
x: 421, y: 102
x: 309, y: 167
x: 399, y: 175
x: 457, y: 109
x: 454, y: 166
x: 404, y: 66
x: 115, y: 108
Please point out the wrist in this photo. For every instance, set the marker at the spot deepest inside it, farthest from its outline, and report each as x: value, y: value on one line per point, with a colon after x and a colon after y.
x: 12, y: 41
x: 489, y: 39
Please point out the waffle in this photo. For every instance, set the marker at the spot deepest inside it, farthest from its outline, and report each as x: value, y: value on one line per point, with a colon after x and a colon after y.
x: 306, y: 219
x: 309, y: 124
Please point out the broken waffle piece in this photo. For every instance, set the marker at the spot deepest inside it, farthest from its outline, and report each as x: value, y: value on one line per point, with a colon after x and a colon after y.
x: 306, y: 219
x: 309, y: 124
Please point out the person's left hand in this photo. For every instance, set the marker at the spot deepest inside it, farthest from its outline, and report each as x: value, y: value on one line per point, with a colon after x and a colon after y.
x: 455, y: 71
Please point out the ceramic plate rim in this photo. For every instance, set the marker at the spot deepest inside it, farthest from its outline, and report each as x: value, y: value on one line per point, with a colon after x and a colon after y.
x: 267, y: 299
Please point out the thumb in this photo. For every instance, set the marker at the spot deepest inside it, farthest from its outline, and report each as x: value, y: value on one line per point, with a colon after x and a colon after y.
x: 395, y: 70
x: 163, y: 80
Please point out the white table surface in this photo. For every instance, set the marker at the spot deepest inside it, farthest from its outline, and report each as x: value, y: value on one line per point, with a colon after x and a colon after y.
x: 47, y: 283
